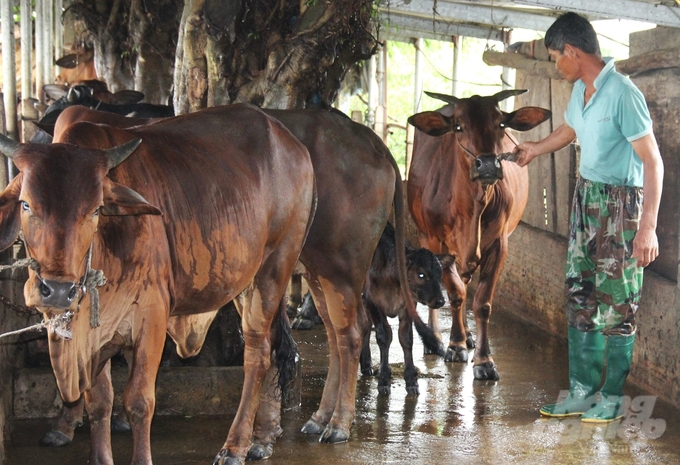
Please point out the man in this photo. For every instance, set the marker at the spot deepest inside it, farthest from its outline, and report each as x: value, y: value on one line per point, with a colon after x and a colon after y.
x: 612, y: 233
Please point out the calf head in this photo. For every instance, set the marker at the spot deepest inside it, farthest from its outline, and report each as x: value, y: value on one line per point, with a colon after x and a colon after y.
x: 56, y: 199
x: 424, y: 270
x: 478, y: 126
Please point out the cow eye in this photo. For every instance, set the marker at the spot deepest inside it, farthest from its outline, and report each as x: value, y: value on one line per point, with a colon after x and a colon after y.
x: 458, y: 128
x: 503, y: 125
x: 96, y: 212
x: 25, y: 207
x: 421, y: 275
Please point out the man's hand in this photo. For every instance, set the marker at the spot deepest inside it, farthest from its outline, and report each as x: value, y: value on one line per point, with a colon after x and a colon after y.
x: 526, y: 151
x: 645, y: 246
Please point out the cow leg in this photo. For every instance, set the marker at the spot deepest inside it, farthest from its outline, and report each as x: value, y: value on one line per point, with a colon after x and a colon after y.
x: 99, y: 404
x: 406, y: 341
x: 343, y: 314
x: 62, y: 432
x: 456, y: 288
x: 323, y: 414
x: 139, y: 396
x: 259, y: 306
x: 484, y: 366
x: 267, y: 427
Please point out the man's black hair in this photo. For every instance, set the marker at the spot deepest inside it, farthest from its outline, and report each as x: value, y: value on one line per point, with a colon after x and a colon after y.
x: 574, y: 30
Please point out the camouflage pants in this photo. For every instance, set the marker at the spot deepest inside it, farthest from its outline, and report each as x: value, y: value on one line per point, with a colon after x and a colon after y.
x: 603, y: 283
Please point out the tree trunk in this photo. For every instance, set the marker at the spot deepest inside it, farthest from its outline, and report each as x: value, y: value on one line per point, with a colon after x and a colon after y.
x: 271, y: 53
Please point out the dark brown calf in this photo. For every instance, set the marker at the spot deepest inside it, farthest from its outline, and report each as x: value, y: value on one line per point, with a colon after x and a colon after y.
x: 382, y: 299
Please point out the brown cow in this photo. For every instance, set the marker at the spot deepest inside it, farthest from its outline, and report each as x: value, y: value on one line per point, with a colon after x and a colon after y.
x: 236, y: 192
x: 358, y: 182
x: 77, y: 66
x: 466, y: 201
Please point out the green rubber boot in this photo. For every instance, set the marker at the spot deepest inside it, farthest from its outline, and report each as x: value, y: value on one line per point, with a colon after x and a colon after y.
x: 586, y: 360
x: 610, y: 406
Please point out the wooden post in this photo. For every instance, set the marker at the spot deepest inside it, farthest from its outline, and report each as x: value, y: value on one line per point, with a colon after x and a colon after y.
x: 457, y: 44
x: 48, y: 5
x: 39, y: 47
x: 381, y: 108
x: 9, y: 69
x: 417, y: 97
x: 372, y: 93
x: 58, y: 31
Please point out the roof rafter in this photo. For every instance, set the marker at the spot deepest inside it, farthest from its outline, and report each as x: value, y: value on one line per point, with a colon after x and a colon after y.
x: 396, y: 26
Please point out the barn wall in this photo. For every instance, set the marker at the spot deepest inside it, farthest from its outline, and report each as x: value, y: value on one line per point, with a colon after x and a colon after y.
x: 12, y: 348
x: 531, y: 286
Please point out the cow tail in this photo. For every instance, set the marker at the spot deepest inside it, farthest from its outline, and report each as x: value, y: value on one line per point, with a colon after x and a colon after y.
x: 430, y: 341
x: 286, y: 355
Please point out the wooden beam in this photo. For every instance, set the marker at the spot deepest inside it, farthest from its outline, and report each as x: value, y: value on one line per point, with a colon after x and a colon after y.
x: 397, y: 26
x: 660, y: 14
x: 528, y: 65
x: 658, y: 59
x: 469, y: 12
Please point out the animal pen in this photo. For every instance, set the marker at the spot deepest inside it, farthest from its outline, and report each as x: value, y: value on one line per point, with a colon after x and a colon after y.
x: 531, y: 284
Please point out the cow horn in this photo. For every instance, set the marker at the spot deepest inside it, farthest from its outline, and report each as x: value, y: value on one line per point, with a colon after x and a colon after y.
x: 118, y: 154
x: 444, y: 97
x: 8, y: 146
x: 502, y: 95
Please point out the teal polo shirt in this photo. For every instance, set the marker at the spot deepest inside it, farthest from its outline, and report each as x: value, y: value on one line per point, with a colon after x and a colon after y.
x: 616, y: 115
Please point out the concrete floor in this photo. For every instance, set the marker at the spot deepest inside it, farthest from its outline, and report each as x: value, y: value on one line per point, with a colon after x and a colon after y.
x: 454, y: 420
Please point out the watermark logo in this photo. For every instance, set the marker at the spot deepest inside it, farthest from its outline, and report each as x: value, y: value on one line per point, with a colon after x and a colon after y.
x: 637, y: 422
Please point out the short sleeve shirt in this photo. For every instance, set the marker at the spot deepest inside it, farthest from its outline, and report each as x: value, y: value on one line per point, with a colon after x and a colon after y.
x: 615, y: 115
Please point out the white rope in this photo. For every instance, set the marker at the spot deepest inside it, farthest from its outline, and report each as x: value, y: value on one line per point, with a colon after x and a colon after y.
x: 57, y: 324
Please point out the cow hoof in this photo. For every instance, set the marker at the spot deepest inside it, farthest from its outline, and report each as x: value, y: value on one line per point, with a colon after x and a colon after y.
x: 384, y: 390
x: 333, y: 435
x: 470, y: 342
x: 412, y: 390
x: 367, y: 371
x: 312, y: 427
x: 260, y: 451
x: 486, y: 371
x: 302, y: 323
x: 223, y: 458
x: 119, y: 426
x: 55, y: 438
x: 456, y: 354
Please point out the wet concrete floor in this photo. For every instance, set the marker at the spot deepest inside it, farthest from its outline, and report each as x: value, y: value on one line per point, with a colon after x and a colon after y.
x: 454, y: 420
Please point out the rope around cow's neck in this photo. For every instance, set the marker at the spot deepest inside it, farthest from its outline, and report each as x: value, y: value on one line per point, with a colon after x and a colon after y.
x: 91, y: 280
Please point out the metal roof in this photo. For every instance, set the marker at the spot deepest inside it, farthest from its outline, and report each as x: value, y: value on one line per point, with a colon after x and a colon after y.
x: 488, y: 19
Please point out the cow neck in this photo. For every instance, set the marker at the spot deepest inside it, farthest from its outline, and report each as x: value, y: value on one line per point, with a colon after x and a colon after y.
x: 89, y: 282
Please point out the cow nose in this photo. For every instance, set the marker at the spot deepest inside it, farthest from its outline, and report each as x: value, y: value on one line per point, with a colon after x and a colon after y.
x: 478, y: 163
x: 439, y: 303
x: 57, y: 294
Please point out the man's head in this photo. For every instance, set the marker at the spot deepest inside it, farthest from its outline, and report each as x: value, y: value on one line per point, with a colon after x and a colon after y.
x: 572, y: 29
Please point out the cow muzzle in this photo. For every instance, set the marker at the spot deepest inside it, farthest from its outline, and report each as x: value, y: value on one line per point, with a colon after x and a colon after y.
x: 486, y: 169
x: 57, y: 294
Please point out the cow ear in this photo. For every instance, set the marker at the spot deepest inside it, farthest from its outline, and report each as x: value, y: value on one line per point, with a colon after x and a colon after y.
x: 446, y: 260
x: 10, y: 219
x: 431, y: 123
x: 55, y: 91
x: 69, y: 61
x: 123, y: 97
x: 123, y: 201
x: 526, y: 118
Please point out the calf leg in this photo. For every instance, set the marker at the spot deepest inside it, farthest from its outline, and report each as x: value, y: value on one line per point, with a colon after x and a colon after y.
x: 383, y: 336
x: 99, y: 404
x: 406, y: 341
x: 365, y: 361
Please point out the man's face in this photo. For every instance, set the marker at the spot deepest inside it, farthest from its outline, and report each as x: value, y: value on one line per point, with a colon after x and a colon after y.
x: 567, y: 63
